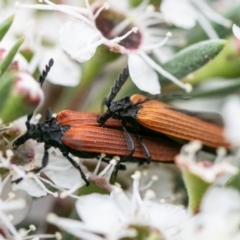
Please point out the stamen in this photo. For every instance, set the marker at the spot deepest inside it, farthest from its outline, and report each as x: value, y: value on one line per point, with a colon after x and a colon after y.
x: 163, y: 72
x: 9, y: 153
x: 98, y: 164
x: 69, y: 11
x: 58, y: 235
x: 221, y: 153
x: 107, y: 172
x: 52, y: 218
x: 95, y: 36
x: 147, y: 23
x: 105, y: 6
x: 4, y: 128
x: 149, y: 184
x: 61, y: 222
x: 150, y: 194
x: 88, y: 5
x: 51, y: 8
x: 118, y: 39
x: 34, y: 176
x: 160, y: 44
x: 195, y: 146
x: 91, y: 47
x: 158, y: 16
x: 206, y: 26
x: 76, y: 186
x: 51, y: 184
x: 34, y: 6
x: 25, y: 232
x: 136, y: 198
x: 212, y: 15
x: 32, y: 228
x: 121, y: 26
x: 10, y: 226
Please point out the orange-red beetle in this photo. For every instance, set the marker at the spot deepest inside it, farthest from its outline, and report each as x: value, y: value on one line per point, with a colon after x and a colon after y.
x: 160, y: 117
x: 80, y: 134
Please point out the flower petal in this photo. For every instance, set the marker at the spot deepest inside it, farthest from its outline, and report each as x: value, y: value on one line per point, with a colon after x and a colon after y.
x: 30, y: 186
x: 167, y: 217
x: 143, y: 75
x: 180, y: 13
x: 236, y: 31
x: 99, y: 212
x: 76, y: 38
x: 65, y: 71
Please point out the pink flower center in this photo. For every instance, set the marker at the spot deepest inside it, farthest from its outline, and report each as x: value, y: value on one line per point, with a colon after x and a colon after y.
x: 107, y: 20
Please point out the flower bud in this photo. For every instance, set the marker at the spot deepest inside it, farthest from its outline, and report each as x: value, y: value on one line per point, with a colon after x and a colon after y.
x: 24, y: 95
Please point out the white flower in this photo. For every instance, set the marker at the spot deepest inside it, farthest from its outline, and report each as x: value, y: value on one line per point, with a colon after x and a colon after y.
x: 186, y: 13
x: 40, y: 37
x: 219, y: 217
x: 236, y: 31
x: 9, y: 206
x: 118, y: 216
x: 206, y: 170
x: 134, y: 34
x: 14, y: 206
x: 231, y: 116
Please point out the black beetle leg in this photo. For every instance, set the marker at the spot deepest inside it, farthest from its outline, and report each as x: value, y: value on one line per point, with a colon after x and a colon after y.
x: 145, y: 149
x: 130, y: 143
x: 38, y: 169
x: 77, y: 166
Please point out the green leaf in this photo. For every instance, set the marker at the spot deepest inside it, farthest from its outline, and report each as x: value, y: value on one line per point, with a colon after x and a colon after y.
x: 193, y: 57
x: 9, y: 57
x: 217, y: 89
x: 4, y: 26
x: 6, y: 82
x: 228, y: 59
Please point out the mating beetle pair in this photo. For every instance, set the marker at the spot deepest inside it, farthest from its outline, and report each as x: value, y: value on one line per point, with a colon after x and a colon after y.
x: 142, y: 133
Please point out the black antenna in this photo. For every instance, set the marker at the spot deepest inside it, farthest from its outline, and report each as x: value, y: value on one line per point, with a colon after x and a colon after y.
x: 117, y: 86
x: 45, y: 72
x: 41, y: 80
